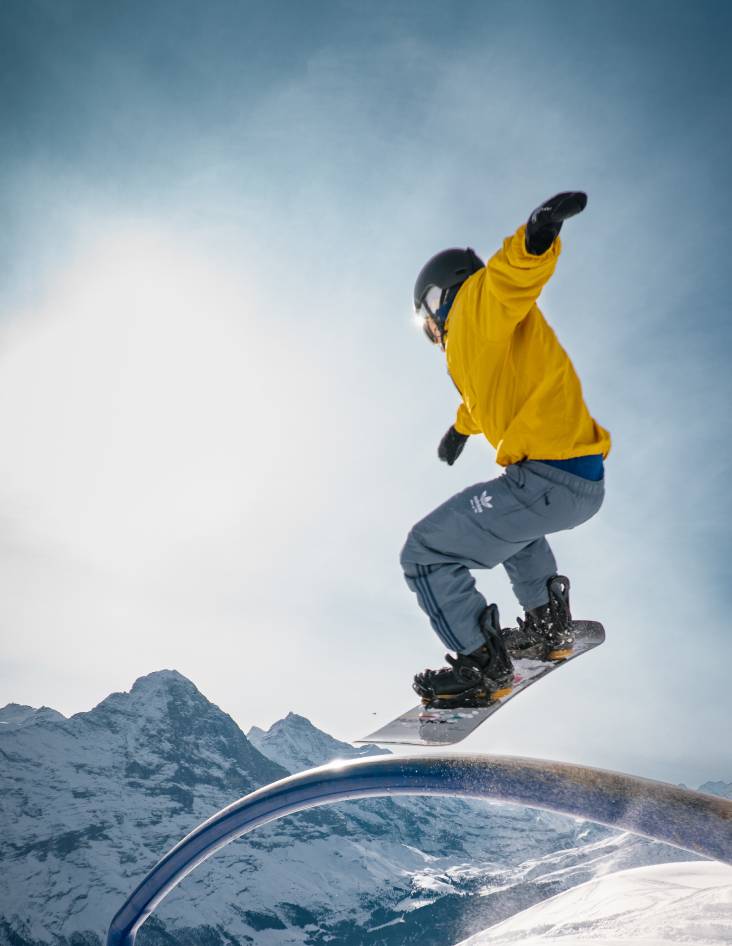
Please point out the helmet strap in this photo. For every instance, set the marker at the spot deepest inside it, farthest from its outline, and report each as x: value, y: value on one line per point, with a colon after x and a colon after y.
x: 446, y: 301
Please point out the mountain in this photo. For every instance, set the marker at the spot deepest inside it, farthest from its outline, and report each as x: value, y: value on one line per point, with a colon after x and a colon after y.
x: 298, y: 745
x: 88, y: 804
x: 14, y: 715
x: 723, y: 789
x: 505, y: 834
x: 646, y: 906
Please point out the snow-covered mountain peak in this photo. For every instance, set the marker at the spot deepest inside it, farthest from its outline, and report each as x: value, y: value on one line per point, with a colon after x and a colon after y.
x: 165, y: 718
x: 295, y: 743
x: 167, y: 708
x: 723, y: 789
x: 154, y: 691
x: 91, y: 802
x: 88, y: 804
x: 163, y: 679
x: 16, y: 714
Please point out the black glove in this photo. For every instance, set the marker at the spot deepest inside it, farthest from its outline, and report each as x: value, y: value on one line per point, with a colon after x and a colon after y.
x: 544, y: 224
x: 451, y: 446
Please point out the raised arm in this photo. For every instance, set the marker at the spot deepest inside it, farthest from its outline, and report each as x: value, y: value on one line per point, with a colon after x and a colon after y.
x: 520, y: 269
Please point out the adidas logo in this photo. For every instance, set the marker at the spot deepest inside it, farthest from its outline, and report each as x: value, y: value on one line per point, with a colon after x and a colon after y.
x: 479, y: 503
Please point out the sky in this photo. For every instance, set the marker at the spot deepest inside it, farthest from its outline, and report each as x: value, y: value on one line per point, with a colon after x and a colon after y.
x: 218, y: 421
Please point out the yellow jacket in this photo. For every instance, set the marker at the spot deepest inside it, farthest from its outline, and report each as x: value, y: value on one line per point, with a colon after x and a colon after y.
x: 518, y: 386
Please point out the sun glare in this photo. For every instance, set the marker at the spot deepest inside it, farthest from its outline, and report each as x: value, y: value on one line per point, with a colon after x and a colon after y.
x: 127, y: 384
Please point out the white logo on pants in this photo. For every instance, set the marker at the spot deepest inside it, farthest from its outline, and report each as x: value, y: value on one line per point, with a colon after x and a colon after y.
x: 479, y: 503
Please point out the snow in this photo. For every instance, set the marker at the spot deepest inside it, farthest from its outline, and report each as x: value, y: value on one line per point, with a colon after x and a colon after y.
x: 723, y: 789
x: 88, y: 804
x: 295, y: 744
x: 687, y: 902
x: 15, y: 715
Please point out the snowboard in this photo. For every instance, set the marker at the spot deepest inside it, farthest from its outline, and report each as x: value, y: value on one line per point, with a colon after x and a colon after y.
x: 421, y: 726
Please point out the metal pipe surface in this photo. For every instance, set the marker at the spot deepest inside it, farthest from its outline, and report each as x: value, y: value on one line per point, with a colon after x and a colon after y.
x: 687, y: 819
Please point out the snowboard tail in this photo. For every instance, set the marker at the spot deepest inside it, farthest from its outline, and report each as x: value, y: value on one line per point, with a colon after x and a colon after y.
x: 428, y: 726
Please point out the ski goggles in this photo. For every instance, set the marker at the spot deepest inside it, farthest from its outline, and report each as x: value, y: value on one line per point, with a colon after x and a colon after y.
x: 433, y: 299
x: 429, y: 306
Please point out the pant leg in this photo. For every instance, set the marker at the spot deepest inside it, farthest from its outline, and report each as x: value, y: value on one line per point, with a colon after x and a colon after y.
x: 569, y: 501
x: 463, y: 534
x: 503, y: 520
x: 529, y: 570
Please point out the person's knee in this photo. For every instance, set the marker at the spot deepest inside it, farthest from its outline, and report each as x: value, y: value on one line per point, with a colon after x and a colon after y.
x: 411, y: 553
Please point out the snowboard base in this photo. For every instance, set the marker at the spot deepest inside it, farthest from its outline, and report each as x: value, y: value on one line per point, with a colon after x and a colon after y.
x: 421, y: 726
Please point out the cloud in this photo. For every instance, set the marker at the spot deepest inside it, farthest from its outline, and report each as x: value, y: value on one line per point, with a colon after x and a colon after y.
x: 218, y: 422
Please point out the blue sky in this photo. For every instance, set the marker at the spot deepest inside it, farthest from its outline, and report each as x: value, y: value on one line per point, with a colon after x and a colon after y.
x: 218, y: 420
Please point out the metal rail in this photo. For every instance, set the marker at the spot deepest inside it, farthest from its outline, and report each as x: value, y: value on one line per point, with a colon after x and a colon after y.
x: 687, y: 819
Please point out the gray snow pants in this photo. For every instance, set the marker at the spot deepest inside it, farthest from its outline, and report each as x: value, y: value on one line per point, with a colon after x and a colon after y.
x: 504, y: 520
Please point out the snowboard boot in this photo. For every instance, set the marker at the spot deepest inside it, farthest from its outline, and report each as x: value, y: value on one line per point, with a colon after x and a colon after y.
x: 546, y: 632
x: 476, y: 679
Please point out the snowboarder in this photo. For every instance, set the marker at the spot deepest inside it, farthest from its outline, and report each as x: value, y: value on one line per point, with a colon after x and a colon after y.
x: 519, y: 389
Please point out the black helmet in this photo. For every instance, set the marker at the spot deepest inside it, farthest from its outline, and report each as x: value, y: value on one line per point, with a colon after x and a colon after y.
x: 445, y: 271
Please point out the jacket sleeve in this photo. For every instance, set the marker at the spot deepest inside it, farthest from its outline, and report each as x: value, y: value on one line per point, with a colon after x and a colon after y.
x: 514, y: 280
x: 464, y: 423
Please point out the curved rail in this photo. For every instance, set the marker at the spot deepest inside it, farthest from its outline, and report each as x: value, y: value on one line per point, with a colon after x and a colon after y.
x: 678, y: 816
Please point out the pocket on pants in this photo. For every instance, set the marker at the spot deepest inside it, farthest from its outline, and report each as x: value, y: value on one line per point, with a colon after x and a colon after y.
x: 524, y: 522
x: 567, y: 509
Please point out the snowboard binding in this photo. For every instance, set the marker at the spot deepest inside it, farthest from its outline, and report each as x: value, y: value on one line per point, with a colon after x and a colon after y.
x: 476, y: 679
x: 546, y: 632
